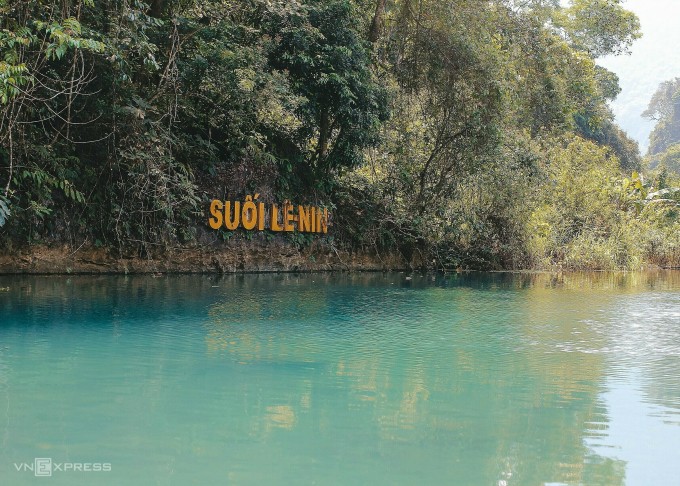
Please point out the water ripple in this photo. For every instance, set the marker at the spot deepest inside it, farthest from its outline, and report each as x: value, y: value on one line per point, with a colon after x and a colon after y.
x: 465, y: 379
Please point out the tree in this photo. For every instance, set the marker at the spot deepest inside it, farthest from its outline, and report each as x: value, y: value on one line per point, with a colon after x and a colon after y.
x: 449, y: 102
x: 45, y: 80
x: 664, y: 108
x: 328, y: 64
x: 670, y: 158
x: 599, y: 27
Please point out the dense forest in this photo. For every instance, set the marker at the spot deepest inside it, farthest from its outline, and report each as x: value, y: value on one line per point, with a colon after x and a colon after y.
x: 473, y: 133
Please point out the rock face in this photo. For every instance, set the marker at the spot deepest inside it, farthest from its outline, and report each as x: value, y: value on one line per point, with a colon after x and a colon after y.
x: 230, y: 257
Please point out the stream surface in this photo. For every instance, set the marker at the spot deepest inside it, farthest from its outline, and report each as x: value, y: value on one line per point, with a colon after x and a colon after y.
x: 480, y: 379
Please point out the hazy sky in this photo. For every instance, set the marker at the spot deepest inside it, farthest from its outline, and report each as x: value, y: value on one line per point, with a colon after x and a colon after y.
x: 654, y: 58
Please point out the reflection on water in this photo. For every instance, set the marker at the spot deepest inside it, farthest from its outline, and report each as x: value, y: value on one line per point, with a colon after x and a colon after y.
x: 463, y: 379
x: 646, y: 335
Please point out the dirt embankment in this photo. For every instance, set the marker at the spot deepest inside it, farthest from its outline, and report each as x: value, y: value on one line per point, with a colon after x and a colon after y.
x: 229, y: 257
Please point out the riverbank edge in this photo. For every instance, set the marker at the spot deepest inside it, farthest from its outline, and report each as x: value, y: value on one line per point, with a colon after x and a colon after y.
x: 234, y: 257
x: 230, y: 257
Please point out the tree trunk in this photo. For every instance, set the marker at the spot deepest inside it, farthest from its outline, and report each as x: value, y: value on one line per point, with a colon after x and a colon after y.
x: 376, y: 25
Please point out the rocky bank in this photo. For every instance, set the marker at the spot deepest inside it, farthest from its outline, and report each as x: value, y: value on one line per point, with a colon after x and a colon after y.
x: 237, y: 256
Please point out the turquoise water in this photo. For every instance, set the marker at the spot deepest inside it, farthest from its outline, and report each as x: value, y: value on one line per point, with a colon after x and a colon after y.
x: 319, y: 379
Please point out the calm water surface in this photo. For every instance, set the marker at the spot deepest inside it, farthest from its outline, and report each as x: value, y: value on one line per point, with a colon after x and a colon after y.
x: 366, y: 379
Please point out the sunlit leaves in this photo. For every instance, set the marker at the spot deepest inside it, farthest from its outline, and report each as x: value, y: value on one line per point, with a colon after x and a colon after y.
x: 64, y: 36
x: 600, y: 27
x: 12, y: 78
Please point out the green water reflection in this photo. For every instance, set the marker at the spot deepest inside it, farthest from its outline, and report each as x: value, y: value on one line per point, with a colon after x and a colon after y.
x: 481, y: 379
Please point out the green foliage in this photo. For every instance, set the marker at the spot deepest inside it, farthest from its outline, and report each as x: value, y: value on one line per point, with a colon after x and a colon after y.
x: 473, y: 169
x: 662, y: 104
x: 328, y: 64
x: 670, y: 158
x: 600, y: 27
x: 65, y: 36
x: 610, y: 135
x: 467, y: 134
x: 301, y: 240
x: 597, y: 219
x: 582, y: 205
x: 664, y: 107
x: 12, y: 78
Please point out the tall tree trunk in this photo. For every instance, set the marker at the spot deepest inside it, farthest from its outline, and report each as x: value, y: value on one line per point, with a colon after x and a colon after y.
x: 376, y: 25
